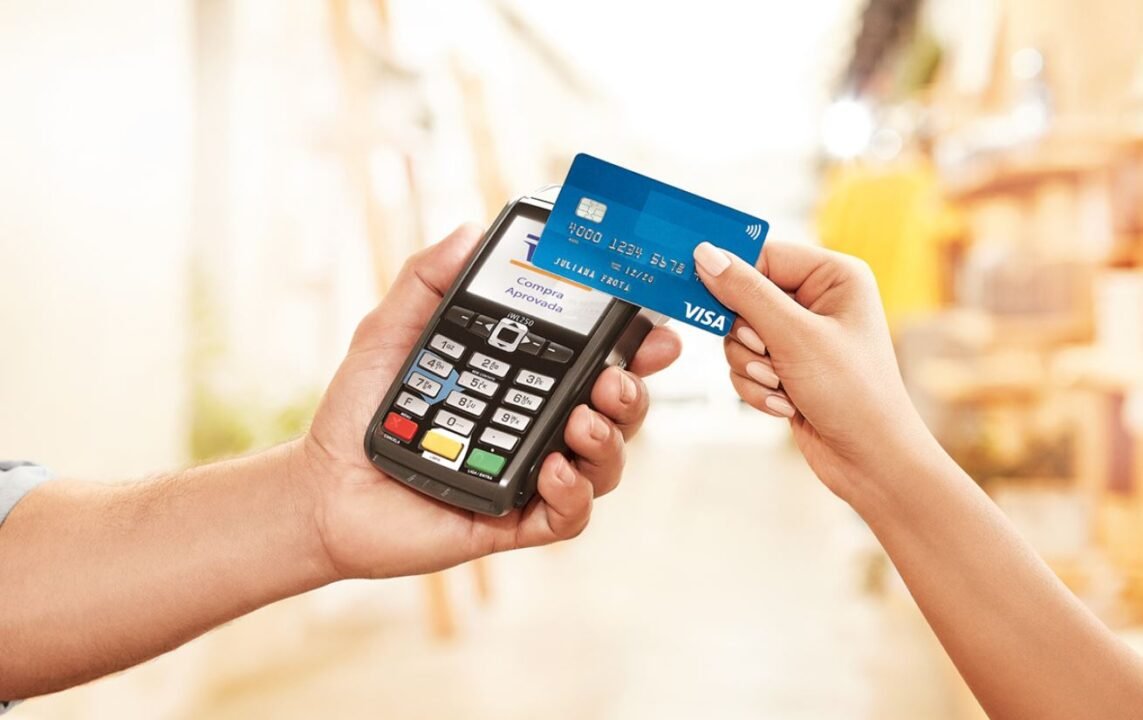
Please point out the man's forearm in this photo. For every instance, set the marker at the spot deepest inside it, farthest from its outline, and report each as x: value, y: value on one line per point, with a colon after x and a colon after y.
x: 97, y: 578
x: 1025, y: 645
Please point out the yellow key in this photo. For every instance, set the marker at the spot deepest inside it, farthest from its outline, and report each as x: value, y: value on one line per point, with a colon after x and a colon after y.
x: 441, y: 444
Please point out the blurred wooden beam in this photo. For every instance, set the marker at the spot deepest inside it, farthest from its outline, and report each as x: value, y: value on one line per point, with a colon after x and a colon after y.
x: 354, y: 127
x: 489, y: 175
x: 212, y: 70
x: 543, y: 50
x: 441, y: 620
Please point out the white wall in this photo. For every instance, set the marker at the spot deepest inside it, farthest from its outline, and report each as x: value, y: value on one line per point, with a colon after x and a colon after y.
x: 94, y: 150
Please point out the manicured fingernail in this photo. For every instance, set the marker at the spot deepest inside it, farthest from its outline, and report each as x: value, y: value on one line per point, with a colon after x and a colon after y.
x: 763, y: 373
x: 564, y: 471
x: 780, y: 406
x: 712, y: 260
x: 750, y: 339
x: 596, y: 427
x: 627, y: 389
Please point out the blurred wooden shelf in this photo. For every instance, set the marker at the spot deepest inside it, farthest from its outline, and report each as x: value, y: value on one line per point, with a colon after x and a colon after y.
x: 1023, y: 171
x: 1078, y: 148
x: 965, y: 386
x: 1093, y: 368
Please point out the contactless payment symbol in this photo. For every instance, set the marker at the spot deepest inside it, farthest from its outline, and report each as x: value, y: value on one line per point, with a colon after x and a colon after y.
x: 754, y: 231
x: 589, y: 209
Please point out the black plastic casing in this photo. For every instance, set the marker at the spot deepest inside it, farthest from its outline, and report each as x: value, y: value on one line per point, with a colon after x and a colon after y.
x: 613, y: 341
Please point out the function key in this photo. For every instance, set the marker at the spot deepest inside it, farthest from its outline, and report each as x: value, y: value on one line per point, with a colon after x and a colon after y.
x: 499, y: 438
x: 411, y: 404
x: 453, y: 422
x: 447, y: 347
x: 460, y: 316
x: 467, y: 403
x: 535, y: 380
x: 438, y: 442
x: 434, y: 364
x: 483, y: 326
x: 489, y: 364
x: 423, y: 385
x: 510, y: 419
x: 531, y: 344
x: 519, y: 398
x: 556, y: 353
x: 402, y: 427
x: 485, y: 462
x: 487, y: 388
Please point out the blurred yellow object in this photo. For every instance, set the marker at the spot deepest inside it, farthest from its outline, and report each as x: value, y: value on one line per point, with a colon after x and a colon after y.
x: 894, y: 218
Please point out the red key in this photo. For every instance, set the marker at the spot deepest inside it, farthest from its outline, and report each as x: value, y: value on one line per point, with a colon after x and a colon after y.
x: 403, y: 428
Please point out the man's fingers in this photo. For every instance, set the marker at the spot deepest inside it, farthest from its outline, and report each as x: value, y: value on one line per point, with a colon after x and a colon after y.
x: 598, y: 446
x: 567, y: 488
x: 622, y: 397
x: 660, y: 348
x: 418, y: 289
x: 564, y: 507
x: 597, y: 440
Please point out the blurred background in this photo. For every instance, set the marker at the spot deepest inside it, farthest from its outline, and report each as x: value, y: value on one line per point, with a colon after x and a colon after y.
x: 199, y: 199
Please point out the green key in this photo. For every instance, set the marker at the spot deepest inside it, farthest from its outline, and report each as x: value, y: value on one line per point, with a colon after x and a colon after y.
x: 485, y: 462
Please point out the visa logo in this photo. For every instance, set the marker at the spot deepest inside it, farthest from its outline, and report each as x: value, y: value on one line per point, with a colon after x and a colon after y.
x: 709, y: 318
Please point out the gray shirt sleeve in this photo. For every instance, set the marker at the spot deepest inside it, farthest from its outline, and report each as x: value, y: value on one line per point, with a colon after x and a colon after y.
x: 16, y: 479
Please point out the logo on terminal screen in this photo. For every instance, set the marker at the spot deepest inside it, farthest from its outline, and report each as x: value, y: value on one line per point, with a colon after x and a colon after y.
x: 531, y: 241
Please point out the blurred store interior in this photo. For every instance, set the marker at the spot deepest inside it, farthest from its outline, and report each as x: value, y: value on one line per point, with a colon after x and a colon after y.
x: 200, y: 198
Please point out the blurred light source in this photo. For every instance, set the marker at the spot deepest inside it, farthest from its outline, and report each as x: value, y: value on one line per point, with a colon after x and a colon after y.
x: 1026, y: 63
x: 886, y: 144
x: 847, y: 128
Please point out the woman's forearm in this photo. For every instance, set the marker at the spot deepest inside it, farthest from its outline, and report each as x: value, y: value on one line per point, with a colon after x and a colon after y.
x: 1026, y: 646
x: 97, y: 578
x: 819, y: 351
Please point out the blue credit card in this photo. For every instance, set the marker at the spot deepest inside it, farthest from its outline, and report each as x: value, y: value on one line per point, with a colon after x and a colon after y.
x: 633, y: 237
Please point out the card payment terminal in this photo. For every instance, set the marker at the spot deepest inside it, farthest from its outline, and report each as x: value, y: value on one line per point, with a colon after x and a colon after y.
x: 484, y: 396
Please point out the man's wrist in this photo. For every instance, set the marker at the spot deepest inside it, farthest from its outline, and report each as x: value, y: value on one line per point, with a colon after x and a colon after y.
x: 308, y: 478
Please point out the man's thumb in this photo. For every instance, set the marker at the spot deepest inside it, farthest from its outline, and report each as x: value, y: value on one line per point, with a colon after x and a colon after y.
x: 773, y: 314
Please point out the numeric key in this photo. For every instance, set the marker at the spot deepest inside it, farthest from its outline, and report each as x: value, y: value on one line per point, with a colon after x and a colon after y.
x: 423, y: 385
x: 444, y: 346
x: 435, y: 365
x: 521, y: 399
x: 535, y: 380
x: 453, y: 422
x: 477, y: 384
x: 510, y: 419
x: 466, y: 403
x: 489, y: 364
